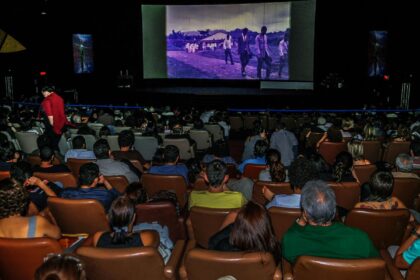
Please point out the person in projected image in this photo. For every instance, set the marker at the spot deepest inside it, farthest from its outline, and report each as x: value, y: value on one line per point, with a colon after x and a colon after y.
x: 263, y: 53
x: 243, y: 50
x: 227, y: 46
x: 283, y: 52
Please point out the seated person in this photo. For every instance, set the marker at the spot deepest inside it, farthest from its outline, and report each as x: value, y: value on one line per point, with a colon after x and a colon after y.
x: 13, y: 222
x: 38, y: 190
x: 136, y: 193
x: 275, y: 171
x: 404, y: 166
x: 59, y: 266
x: 219, y: 150
x: 356, y: 150
x: 378, y: 193
x: 333, y: 135
x: 409, y: 250
x: 247, y: 230
x: 79, y: 150
x: 217, y: 195
x: 260, y: 149
x: 126, y: 141
x: 171, y: 166
x: 342, y: 170
x: 285, y: 142
x: 42, y: 141
x: 122, y: 216
x: 8, y: 156
x: 89, y: 179
x: 47, y: 158
x: 315, y: 233
x: 301, y: 171
x: 259, y: 133
x: 109, y: 166
x: 177, y: 132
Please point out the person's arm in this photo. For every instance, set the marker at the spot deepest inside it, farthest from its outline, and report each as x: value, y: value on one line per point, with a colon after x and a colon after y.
x: 399, y: 260
x: 323, y: 138
x: 148, y: 238
x: 229, y: 219
x: 47, y: 106
x: 105, y: 182
x: 38, y: 182
x: 48, y: 229
x: 267, y: 193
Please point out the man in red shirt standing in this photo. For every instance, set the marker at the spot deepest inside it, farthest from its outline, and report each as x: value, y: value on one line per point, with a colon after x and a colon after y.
x: 53, y: 107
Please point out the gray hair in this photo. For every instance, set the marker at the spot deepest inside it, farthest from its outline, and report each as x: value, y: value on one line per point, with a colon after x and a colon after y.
x: 318, y: 201
x: 404, y: 163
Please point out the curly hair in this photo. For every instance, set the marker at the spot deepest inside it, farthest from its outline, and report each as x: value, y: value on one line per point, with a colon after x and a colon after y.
x: 301, y: 171
x: 13, y: 198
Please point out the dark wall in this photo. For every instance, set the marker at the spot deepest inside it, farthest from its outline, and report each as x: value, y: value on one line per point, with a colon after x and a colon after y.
x: 340, y: 47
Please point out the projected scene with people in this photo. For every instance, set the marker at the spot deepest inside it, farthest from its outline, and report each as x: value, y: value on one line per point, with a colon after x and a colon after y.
x: 246, y: 41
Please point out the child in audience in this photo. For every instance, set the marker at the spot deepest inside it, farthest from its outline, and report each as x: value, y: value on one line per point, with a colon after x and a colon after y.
x: 61, y: 267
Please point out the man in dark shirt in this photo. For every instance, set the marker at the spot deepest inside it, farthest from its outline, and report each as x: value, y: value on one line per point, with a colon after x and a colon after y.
x: 126, y: 141
x: 47, y: 158
x: 89, y: 179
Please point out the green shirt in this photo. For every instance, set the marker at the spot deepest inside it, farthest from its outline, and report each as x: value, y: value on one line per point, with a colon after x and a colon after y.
x: 226, y: 199
x: 336, y: 241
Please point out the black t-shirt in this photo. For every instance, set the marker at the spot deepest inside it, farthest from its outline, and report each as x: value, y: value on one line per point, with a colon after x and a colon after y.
x: 53, y: 169
x: 220, y: 240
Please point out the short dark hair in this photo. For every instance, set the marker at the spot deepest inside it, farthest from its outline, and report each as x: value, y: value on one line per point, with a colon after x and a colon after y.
x: 78, y: 142
x: 49, y: 88
x: 415, y: 148
x: 21, y: 171
x: 216, y: 172
x: 301, y: 171
x: 7, y: 152
x: 171, y: 153
x: 260, y: 148
x: 136, y: 193
x: 220, y: 148
x: 318, y: 202
x: 263, y: 29
x: 46, y: 153
x: 198, y: 124
x: 334, y: 135
x: 381, y: 186
x: 101, y: 149
x: 126, y: 138
x: 88, y: 173
x: 43, y: 140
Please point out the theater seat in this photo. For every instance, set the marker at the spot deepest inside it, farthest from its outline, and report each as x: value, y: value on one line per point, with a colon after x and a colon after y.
x: 407, y: 190
x: 275, y: 187
x: 67, y: 178
x: 252, y: 171
x: 329, y: 150
x: 20, y: 257
x: 309, y: 268
x: 394, y: 149
x: 347, y: 193
x: 364, y: 172
x: 413, y: 272
x: 75, y: 164
x: 4, y: 175
x: 119, y: 183
x: 282, y: 219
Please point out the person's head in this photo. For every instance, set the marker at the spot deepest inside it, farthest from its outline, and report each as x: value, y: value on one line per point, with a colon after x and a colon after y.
x: 319, y: 162
x: 334, y: 135
x: 277, y: 171
x: 101, y: 149
x: 121, y: 215
x: 369, y: 132
x: 43, y: 140
x: 228, y: 36
x: 220, y: 148
x: 415, y: 149
x: 104, y: 131
x: 198, y: 124
x: 47, y: 90
x: 126, y: 139
x: 260, y: 148
x: 404, y: 163
x: 342, y: 165
x: 171, y: 154
x: 318, y: 202
x: 13, y: 198
x: 381, y: 186
x: 136, y: 193
x: 245, y: 31
x: 355, y: 148
x: 47, y: 154
x: 61, y: 267
x: 301, y: 171
x: 79, y: 142
x: 88, y: 174
x: 264, y: 29
x: 252, y: 231
x: 7, y: 152
x: 216, y: 174
x: 194, y: 169
x: 20, y: 172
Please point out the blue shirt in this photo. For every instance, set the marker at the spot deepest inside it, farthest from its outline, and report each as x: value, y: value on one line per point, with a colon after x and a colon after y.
x: 178, y: 169
x: 104, y: 196
x: 259, y: 160
x: 413, y: 252
x: 79, y: 154
x: 285, y: 200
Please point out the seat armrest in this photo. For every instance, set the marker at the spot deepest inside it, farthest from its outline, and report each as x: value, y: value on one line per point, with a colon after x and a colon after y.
x: 182, y: 271
x: 393, y: 271
x: 287, y: 269
x: 156, y: 238
x: 182, y: 228
x: 174, y: 261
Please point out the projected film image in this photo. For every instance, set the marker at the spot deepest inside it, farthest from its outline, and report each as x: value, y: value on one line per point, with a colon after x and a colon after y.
x: 82, y: 53
x: 246, y: 41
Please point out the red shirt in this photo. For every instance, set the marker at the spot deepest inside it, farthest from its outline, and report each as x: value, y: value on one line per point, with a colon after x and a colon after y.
x: 53, y: 105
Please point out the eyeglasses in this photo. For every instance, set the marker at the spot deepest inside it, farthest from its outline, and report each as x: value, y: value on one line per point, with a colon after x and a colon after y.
x: 65, y: 258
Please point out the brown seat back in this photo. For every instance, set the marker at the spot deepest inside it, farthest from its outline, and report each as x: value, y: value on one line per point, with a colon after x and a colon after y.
x: 384, y: 227
x: 394, y: 149
x: 36, y: 160
x: 329, y: 150
x: 252, y: 171
x: 129, y: 263
x: 413, y: 272
x: 282, y: 219
x: 347, y: 193
x: 372, y: 150
x: 164, y: 212
x: 204, y: 223
x: 153, y: 183
x: 232, y: 171
x: 137, y: 164
x: 20, y: 257
x: 236, y: 123
x: 74, y: 165
x: 406, y: 189
x: 210, y: 265
x: 67, y: 178
x: 275, y: 187
x: 307, y: 267
x: 200, y: 184
x: 4, y: 175
x: 78, y: 215
x: 364, y: 172
x: 119, y: 183
x: 313, y: 139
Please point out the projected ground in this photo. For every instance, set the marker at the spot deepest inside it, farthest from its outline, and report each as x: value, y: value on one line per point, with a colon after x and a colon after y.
x: 208, y: 41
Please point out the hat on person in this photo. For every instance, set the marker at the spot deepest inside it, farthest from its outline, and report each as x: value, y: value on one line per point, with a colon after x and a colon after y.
x: 321, y: 120
x: 347, y: 124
